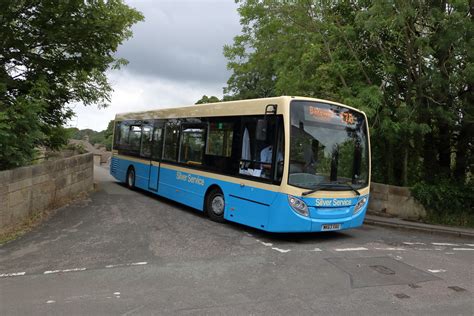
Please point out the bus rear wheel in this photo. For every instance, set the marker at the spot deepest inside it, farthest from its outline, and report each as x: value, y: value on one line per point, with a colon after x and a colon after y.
x: 215, y: 205
x: 131, y: 178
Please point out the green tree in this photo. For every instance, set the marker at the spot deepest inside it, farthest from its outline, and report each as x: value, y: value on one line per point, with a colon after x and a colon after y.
x: 205, y: 99
x: 407, y: 64
x: 109, y: 134
x: 53, y: 53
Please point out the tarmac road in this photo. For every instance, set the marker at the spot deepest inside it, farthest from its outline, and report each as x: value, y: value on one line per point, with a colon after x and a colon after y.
x: 124, y: 252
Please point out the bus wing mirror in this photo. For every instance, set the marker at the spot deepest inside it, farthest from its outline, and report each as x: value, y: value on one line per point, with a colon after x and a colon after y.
x: 261, y: 132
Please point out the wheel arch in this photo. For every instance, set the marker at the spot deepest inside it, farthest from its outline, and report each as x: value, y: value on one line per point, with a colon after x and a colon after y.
x: 209, y: 189
x: 129, y: 168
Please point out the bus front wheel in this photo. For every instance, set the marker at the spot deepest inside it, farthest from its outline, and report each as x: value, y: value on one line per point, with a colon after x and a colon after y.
x: 131, y: 178
x: 215, y: 205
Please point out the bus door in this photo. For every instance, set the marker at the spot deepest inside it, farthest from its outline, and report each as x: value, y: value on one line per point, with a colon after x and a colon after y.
x: 156, y: 150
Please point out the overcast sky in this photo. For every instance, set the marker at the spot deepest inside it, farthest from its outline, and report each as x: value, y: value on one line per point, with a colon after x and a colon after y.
x: 175, y: 57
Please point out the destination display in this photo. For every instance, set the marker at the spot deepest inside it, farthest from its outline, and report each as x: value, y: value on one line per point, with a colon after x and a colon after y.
x: 328, y: 115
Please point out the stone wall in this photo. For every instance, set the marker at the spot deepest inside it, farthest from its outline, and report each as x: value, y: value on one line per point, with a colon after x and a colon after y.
x: 394, y: 201
x: 28, y: 190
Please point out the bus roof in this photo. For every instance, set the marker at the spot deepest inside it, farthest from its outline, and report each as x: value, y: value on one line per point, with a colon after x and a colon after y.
x: 228, y: 108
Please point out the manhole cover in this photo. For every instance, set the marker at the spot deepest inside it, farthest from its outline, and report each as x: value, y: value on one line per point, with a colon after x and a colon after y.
x: 379, y: 271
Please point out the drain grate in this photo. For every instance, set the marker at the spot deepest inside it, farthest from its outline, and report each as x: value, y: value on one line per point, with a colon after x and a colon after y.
x: 380, y: 271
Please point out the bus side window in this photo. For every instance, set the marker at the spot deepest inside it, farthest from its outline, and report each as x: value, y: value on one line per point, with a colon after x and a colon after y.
x: 193, y: 139
x: 157, y: 143
x: 134, y: 137
x: 146, y: 141
x: 117, y: 135
x: 219, y: 139
x: 170, y: 151
x: 257, y: 155
x: 123, y: 133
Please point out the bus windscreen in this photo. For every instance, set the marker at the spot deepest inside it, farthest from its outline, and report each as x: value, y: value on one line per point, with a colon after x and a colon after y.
x: 329, y: 146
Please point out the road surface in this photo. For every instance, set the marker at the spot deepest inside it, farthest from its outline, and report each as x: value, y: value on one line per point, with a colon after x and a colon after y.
x: 124, y: 252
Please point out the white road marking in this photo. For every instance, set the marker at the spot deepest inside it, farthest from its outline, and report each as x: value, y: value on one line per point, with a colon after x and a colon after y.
x: 64, y: 271
x: 391, y: 249
x: 351, y: 249
x: 114, y: 265
x: 428, y: 249
x: 470, y: 245
x: 116, y: 293
x: 51, y: 271
x: 463, y: 249
x: 437, y: 271
x: 139, y: 263
x: 449, y: 253
x: 50, y: 302
x: 281, y: 250
x: 267, y: 244
x: 14, y: 274
x: 443, y: 244
x: 316, y: 249
x: 126, y: 264
x: 413, y: 243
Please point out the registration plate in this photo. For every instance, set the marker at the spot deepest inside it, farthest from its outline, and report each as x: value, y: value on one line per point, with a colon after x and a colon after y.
x: 327, y: 227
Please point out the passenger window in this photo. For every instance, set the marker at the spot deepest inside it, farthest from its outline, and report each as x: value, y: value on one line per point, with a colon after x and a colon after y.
x: 122, y: 133
x: 192, y: 144
x: 219, y: 139
x: 171, y: 140
x: 146, y: 141
x: 157, y: 143
x: 135, y: 133
x: 257, y: 155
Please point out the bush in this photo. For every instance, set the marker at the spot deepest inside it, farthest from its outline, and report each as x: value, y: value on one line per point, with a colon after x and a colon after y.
x: 446, y: 202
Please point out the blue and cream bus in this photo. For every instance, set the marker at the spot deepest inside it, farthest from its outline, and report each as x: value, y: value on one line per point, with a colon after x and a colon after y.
x: 284, y: 164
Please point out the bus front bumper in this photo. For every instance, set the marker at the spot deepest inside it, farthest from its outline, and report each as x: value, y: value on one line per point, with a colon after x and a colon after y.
x: 284, y: 219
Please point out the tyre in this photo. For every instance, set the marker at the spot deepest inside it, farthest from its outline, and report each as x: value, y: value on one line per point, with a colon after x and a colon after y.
x: 215, y: 205
x: 130, y: 181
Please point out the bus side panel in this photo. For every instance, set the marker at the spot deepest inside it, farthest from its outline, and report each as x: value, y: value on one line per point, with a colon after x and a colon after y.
x: 142, y: 174
x: 118, y: 168
x: 245, y: 205
x: 248, y: 205
x: 182, y: 187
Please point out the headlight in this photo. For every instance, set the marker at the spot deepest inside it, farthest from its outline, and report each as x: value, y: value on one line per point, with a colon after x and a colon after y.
x: 360, y: 204
x: 299, y: 206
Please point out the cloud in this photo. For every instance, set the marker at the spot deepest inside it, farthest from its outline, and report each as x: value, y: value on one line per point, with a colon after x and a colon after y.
x: 182, y: 40
x: 138, y: 93
x: 175, y: 57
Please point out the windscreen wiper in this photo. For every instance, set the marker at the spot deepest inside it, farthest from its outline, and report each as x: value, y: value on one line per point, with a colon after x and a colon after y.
x: 330, y: 184
x: 317, y: 188
x: 349, y: 186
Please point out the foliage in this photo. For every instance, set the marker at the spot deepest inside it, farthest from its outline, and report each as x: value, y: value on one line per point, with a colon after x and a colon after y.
x: 76, y: 148
x: 446, y: 202
x: 407, y: 64
x: 108, y: 135
x: 53, y: 53
x: 103, y: 137
x: 205, y: 99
